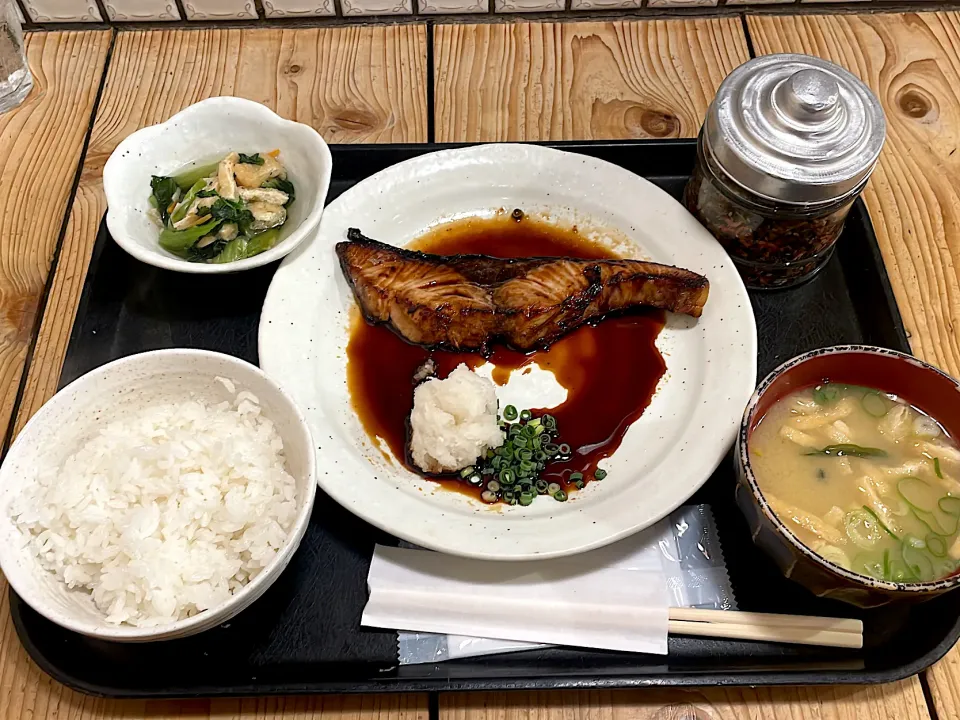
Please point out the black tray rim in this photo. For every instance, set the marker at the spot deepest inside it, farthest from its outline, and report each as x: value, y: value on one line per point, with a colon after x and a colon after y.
x: 679, y: 678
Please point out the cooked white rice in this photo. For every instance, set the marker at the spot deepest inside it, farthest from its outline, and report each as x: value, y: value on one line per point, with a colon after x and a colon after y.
x: 453, y: 421
x: 166, y: 513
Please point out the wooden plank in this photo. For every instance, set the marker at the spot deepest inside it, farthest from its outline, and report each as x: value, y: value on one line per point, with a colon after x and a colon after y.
x: 896, y: 701
x: 353, y: 85
x: 58, y: 702
x: 912, y: 63
x: 588, y: 81
x: 40, y: 147
x: 358, y: 84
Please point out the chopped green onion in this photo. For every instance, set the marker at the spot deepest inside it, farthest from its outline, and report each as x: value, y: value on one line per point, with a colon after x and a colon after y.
x: 507, y: 477
x: 576, y: 476
x: 467, y: 471
x: 560, y: 496
x: 564, y: 449
x: 549, y: 421
x: 526, y: 498
x: 526, y: 415
x: 510, y: 413
x: 488, y: 497
x: 579, y: 484
x: 475, y: 479
x: 553, y: 488
x: 542, y: 486
x: 493, y: 486
x: 874, y: 403
x: 600, y: 474
x: 879, y: 522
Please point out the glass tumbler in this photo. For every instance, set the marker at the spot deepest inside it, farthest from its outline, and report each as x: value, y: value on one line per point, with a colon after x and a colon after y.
x: 15, y: 78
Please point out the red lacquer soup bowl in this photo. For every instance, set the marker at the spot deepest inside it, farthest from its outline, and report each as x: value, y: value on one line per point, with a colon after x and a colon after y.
x: 920, y: 384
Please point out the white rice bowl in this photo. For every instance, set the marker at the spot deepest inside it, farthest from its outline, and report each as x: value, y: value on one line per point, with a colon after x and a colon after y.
x: 147, y: 500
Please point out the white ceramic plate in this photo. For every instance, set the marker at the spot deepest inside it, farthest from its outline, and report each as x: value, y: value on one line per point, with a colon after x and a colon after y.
x: 665, y: 456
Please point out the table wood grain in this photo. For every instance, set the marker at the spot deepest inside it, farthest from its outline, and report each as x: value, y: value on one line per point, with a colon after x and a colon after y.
x: 912, y: 62
x: 358, y: 84
x: 516, y: 81
x: 582, y: 81
x: 352, y: 84
x: 897, y: 701
x: 40, y: 149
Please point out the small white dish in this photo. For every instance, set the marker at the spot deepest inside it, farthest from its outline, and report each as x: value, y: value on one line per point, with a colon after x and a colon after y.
x: 665, y: 456
x: 112, y: 392
x: 205, y: 133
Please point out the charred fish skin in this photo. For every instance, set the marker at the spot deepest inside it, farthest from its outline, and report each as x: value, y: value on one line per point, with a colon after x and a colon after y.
x: 466, y: 302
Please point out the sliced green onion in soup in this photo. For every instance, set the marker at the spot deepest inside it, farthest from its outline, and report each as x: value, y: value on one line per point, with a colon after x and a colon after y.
x: 917, y: 561
x: 936, y: 545
x: 831, y: 553
x: 865, y: 564
x: 912, y: 490
x: 950, y: 505
x: 879, y: 522
x: 863, y: 528
x: 875, y: 404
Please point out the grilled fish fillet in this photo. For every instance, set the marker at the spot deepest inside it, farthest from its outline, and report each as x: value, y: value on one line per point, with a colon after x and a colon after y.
x: 465, y: 302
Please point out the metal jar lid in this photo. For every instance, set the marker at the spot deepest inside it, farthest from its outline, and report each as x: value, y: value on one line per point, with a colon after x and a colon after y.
x: 795, y: 129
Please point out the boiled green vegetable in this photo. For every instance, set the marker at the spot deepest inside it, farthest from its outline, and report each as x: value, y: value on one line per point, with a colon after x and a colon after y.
x: 164, y: 189
x: 179, y: 242
x: 188, y: 178
x: 843, y: 449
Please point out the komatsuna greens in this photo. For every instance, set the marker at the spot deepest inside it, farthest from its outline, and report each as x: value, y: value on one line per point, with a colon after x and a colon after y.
x: 224, y: 212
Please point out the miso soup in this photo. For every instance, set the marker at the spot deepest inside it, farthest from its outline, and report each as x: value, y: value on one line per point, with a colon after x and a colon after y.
x: 863, y: 479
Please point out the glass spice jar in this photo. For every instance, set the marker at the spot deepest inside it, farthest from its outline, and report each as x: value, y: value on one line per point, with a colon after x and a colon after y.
x: 787, y: 146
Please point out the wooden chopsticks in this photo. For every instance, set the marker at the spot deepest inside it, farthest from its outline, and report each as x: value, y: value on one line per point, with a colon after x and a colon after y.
x: 796, y: 629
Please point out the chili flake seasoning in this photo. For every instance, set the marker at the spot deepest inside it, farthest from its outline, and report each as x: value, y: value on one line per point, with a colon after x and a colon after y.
x: 787, y: 146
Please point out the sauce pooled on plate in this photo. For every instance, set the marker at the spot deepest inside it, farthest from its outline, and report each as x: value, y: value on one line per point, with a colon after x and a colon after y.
x: 610, y: 370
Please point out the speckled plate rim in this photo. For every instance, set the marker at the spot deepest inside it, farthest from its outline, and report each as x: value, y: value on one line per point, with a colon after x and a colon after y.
x: 743, y: 457
x: 667, y: 454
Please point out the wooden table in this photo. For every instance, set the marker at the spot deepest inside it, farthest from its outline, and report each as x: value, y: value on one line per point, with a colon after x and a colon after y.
x: 513, y: 81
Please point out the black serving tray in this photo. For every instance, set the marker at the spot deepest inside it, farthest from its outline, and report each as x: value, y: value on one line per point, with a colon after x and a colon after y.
x: 304, y: 634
